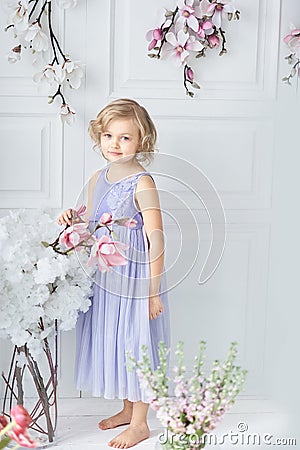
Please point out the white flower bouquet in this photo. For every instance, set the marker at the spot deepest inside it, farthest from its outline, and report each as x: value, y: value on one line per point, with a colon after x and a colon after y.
x: 45, y: 281
x: 199, y: 401
x: 38, y: 285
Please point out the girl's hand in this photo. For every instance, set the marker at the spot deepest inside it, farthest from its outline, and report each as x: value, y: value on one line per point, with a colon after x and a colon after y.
x: 156, y: 307
x: 65, y: 218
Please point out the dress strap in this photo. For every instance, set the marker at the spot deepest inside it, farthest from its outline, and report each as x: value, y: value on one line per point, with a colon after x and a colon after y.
x: 134, y: 177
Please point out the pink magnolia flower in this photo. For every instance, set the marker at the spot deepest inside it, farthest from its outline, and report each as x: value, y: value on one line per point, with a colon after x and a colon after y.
x: 107, y: 253
x: 21, y: 416
x: 181, y: 44
x: 214, y: 41
x: 130, y: 223
x: 291, y: 35
x: 106, y: 219
x: 200, y: 7
x: 22, y: 437
x: 205, y: 28
x: 154, y: 36
x: 74, y: 234
x: 293, y: 41
x: 187, y: 15
x: 217, y: 8
x: 126, y: 222
x: 21, y: 421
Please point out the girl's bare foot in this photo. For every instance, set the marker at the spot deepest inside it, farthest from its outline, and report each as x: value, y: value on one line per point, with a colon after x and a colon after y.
x: 121, y: 418
x: 131, y: 436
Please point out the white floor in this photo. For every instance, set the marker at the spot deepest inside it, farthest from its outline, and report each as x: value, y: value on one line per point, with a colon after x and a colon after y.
x: 78, y: 418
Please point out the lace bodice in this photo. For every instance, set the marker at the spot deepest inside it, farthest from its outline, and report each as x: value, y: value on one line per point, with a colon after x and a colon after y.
x: 116, y: 198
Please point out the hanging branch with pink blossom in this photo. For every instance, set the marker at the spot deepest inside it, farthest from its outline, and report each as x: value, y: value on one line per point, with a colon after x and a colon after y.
x: 32, y: 24
x: 293, y: 42
x: 192, y: 28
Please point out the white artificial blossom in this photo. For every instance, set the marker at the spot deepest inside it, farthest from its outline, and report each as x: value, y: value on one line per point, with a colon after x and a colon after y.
x: 32, y: 25
x: 36, y: 283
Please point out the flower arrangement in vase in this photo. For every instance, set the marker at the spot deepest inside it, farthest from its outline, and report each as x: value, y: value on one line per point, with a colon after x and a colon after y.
x: 45, y: 281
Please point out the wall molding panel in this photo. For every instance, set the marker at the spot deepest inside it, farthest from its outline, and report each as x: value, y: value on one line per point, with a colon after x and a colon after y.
x: 228, y: 305
x: 31, y: 171
x: 236, y: 155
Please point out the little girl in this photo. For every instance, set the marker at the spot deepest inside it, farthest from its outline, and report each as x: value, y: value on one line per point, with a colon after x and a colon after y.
x: 130, y: 304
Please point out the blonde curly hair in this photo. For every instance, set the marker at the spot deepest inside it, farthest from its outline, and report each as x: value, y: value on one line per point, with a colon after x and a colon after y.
x: 125, y: 108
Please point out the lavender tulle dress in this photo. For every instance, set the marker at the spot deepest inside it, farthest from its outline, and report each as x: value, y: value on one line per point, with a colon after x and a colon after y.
x: 118, y: 319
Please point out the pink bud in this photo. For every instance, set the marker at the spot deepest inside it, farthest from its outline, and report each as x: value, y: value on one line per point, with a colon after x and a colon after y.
x: 213, y: 40
x: 152, y: 44
x: 190, y: 74
x: 106, y: 219
x: 130, y: 223
x: 3, y: 422
x: 157, y: 34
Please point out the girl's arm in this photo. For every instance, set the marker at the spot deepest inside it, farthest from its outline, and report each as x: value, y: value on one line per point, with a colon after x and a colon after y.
x: 66, y: 217
x: 148, y: 202
x: 92, y: 183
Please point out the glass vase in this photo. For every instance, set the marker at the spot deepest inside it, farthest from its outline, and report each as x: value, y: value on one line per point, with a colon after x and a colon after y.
x: 43, y: 375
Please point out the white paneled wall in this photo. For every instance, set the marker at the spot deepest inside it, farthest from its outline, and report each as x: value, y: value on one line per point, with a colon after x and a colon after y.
x: 233, y: 131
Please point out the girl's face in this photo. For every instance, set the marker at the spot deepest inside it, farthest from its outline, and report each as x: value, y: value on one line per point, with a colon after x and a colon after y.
x: 120, y: 140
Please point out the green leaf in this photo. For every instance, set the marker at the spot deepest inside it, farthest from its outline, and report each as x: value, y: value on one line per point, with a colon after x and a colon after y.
x: 152, y: 55
x: 195, y: 85
x: 4, y: 442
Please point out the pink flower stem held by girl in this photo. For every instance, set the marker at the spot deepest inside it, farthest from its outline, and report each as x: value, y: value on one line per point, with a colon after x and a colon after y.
x: 105, y: 251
